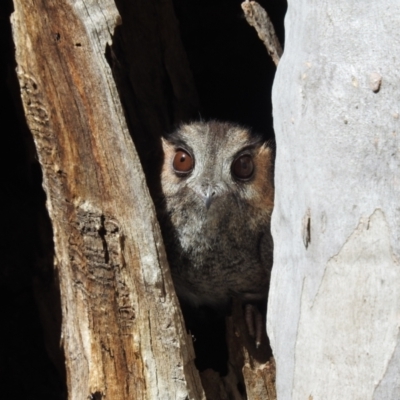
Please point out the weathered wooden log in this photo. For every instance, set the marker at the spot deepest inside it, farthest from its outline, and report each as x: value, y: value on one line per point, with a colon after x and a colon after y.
x: 122, y: 330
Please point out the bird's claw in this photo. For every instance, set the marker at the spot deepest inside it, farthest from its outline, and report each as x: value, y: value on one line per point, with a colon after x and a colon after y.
x: 254, y: 322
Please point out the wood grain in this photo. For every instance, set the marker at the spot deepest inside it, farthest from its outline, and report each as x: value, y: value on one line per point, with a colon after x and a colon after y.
x: 122, y: 330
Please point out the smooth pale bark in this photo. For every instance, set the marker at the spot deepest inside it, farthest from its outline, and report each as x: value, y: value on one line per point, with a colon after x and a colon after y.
x: 333, y: 316
x: 122, y: 330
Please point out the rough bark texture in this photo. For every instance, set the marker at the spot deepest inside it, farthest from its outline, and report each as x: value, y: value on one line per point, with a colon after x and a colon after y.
x: 258, y: 18
x: 333, y: 316
x: 257, y: 365
x: 120, y: 314
x: 251, y: 371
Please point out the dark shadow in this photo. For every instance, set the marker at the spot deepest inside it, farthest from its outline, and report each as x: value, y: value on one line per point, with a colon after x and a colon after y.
x: 153, y: 78
x: 232, y: 71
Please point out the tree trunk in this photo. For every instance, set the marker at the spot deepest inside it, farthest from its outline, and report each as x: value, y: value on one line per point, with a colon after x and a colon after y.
x: 122, y: 330
x: 333, y: 316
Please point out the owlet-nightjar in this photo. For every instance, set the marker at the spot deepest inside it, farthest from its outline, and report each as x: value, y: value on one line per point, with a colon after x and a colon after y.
x: 217, y: 185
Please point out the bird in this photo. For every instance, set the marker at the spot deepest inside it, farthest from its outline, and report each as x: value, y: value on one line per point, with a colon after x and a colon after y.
x: 217, y: 195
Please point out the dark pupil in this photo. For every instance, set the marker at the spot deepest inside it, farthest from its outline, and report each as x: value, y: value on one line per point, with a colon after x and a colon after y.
x: 243, y: 167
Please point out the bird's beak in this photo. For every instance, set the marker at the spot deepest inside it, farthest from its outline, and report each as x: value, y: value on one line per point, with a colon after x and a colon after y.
x: 208, y: 195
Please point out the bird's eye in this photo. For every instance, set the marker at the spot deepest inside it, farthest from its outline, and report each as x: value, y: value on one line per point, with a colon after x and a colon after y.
x: 183, y: 162
x: 243, y: 167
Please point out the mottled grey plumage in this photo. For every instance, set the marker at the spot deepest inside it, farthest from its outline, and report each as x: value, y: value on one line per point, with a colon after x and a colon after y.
x: 216, y: 227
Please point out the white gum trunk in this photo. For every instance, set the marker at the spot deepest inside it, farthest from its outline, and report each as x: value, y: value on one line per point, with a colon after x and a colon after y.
x: 334, y: 305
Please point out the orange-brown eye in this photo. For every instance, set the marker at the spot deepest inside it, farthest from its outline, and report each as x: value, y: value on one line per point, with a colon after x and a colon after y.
x: 183, y: 162
x: 243, y: 167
